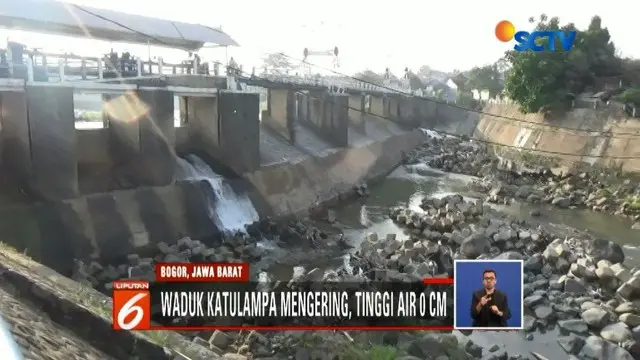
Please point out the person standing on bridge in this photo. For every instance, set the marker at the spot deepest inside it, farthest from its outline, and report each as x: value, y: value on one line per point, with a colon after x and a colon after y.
x: 232, y: 68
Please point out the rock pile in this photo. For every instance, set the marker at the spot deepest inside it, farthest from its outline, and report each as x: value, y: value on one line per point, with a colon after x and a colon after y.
x: 329, y: 345
x: 238, y: 247
x: 597, y: 190
x: 451, y: 154
x: 251, y: 345
x: 576, y: 283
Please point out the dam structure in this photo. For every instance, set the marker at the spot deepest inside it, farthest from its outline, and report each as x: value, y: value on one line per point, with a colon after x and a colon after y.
x: 308, y: 145
x: 175, y: 150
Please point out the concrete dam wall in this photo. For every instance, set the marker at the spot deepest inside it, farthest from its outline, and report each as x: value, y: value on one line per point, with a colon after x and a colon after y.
x: 106, y: 192
x: 110, y: 226
x: 595, y: 142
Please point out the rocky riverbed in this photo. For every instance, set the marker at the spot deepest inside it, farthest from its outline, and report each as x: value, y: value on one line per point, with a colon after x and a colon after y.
x: 598, y: 190
x: 574, y: 283
x: 259, y: 247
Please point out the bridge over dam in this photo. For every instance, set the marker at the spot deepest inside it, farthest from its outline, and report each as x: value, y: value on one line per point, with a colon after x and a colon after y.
x: 110, y: 189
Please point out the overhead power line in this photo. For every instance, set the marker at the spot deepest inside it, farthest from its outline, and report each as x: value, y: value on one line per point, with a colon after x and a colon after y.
x: 550, y: 152
x: 496, y: 116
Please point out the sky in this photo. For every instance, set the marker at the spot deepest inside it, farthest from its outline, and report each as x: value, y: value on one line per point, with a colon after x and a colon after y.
x: 374, y: 34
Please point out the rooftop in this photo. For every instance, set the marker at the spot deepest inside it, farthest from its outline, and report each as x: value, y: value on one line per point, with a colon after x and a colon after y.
x: 55, y: 17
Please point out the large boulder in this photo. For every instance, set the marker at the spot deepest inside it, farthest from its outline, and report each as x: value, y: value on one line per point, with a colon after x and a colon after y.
x: 475, y: 245
x: 597, y: 348
x: 602, y: 249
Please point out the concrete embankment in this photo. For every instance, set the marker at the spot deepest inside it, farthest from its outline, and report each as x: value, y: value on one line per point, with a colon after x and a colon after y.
x: 294, y: 188
x: 54, y: 317
x: 109, y: 226
x: 603, y: 133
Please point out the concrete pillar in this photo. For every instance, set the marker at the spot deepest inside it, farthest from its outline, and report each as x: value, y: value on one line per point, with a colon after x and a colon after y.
x: 53, y: 141
x: 393, y: 109
x: 281, y: 112
x: 15, y: 135
x: 239, y: 130
x: 408, y: 111
x: 121, y: 114
x: 386, y: 110
x: 357, y: 112
x: 421, y: 111
x: 430, y: 111
x: 329, y: 117
x: 303, y: 107
x: 339, y: 119
x: 202, y: 115
x: 377, y: 105
x: 292, y: 114
x: 157, y: 135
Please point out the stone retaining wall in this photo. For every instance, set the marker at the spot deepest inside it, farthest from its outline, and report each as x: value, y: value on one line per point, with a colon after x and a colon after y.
x: 594, y: 142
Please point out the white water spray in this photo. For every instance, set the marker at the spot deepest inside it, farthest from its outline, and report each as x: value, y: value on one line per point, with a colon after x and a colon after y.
x: 231, y: 211
x: 364, y: 216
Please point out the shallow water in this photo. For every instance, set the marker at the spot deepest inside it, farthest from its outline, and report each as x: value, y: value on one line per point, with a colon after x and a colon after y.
x: 407, y: 187
x: 598, y: 224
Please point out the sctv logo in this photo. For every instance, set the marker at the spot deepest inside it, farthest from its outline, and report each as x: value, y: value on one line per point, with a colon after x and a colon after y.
x: 506, y: 31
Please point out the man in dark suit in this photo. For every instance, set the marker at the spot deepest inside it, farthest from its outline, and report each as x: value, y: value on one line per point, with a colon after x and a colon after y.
x: 489, y: 306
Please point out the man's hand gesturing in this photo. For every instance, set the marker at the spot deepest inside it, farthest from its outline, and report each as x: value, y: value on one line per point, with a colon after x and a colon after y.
x: 483, y: 302
x: 485, y: 299
x: 496, y: 310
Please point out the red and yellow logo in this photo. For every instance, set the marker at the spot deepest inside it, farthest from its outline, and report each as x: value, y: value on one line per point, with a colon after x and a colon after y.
x: 131, y: 305
x: 505, y: 30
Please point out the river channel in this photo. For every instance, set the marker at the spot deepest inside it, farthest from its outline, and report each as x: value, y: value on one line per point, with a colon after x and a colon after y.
x: 406, y: 186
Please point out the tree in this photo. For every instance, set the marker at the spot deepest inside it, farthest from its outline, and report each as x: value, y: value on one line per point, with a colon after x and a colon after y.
x: 537, y: 79
x: 546, y: 80
x: 600, y: 51
x: 630, y: 71
x: 277, y: 64
x: 502, y: 66
x: 370, y: 76
x: 414, y: 82
x: 424, y: 72
x: 460, y: 79
x: 485, y: 78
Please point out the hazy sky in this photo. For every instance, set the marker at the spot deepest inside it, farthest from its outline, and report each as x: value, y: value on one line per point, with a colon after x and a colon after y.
x: 374, y: 34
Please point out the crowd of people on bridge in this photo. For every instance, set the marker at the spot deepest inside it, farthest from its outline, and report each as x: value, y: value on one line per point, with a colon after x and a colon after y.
x: 116, y: 64
x: 126, y: 63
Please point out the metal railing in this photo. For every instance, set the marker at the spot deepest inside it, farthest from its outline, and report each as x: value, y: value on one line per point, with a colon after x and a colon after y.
x: 60, y: 68
x: 51, y: 67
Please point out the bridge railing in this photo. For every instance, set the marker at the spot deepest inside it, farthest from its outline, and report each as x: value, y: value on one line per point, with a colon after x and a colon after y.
x: 343, y: 83
x: 50, y: 67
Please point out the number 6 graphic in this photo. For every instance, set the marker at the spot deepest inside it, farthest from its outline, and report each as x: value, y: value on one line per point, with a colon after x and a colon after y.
x: 129, y: 308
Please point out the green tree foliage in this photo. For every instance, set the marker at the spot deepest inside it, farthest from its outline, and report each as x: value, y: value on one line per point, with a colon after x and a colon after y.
x: 630, y: 71
x: 370, y: 76
x: 278, y: 64
x: 630, y: 96
x: 486, y: 77
x: 414, y: 82
x: 547, y: 80
x: 460, y: 79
